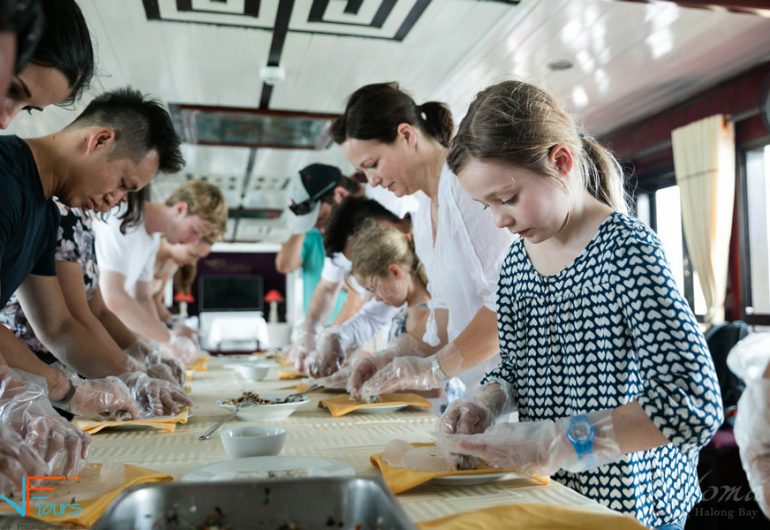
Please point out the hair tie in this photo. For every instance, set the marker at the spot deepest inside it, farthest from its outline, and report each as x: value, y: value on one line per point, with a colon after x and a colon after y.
x: 421, y: 112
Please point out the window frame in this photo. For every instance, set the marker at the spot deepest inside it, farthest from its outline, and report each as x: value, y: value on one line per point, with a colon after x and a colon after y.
x: 647, y: 185
x: 741, y: 186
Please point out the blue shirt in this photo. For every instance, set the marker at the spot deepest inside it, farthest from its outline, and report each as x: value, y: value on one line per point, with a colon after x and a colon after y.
x: 609, y: 329
x: 28, y: 220
x: 313, y: 255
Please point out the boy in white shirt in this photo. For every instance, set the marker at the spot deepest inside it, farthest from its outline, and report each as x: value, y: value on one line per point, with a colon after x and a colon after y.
x: 195, y: 212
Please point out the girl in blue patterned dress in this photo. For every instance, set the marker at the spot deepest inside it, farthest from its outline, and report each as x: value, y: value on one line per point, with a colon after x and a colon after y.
x: 601, y: 355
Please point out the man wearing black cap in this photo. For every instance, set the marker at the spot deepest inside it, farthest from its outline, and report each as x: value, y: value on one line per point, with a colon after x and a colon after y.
x: 315, y: 191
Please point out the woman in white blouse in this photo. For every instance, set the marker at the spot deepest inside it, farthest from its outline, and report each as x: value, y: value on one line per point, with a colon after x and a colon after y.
x: 402, y: 147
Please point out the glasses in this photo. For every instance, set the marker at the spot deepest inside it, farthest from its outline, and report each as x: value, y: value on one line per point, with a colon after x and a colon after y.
x: 306, y: 206
x: 302, y: 208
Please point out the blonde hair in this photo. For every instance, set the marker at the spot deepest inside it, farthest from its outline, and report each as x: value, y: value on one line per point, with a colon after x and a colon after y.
x: 518, y: 123
x: 377, y: 246
x: 204, y: 200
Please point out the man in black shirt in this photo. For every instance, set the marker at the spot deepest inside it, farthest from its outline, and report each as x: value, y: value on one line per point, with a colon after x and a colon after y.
x: 117, y: 145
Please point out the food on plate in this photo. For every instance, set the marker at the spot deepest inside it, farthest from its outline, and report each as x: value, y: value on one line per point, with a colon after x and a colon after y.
x: 400, y: 453
x: 250, y: 398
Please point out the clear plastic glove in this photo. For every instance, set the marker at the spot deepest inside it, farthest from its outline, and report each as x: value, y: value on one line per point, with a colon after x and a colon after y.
x: 404, y: 373
x: 338, y: 380
x: 165, y: 368
x: 477, y: 413
x: 330, y: 354
x: 750, y: 356
x: 154, y: 396
x: 17, y: 459
x: 303, y: 347
x: 185, y: 331
x: 25, y: 408
x: 365, y: 368
x: 104, y: 399
x: 752, y: 433
x: 140, y: 349
x: 537, y: 447
x: 180, y: 347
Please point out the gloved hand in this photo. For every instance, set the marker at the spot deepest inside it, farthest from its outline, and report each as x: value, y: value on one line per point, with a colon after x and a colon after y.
x: 25, y: 408
x: 104, y: 399
x: 752, y: 433
x: 184, y: 331
x: 537, y: 447
x: 303, y: 347
x: 165, y: 368
x: 180, y: 347
x: 330, y: 354
x: 154, y: 396
x: 477, y: 413
x: 338, y: 380
x: 17, y: 459
x: 365, y: 368
x: 140, y: 349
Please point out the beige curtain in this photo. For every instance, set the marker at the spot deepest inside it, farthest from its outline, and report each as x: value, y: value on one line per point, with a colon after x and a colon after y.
x: 704, y: 161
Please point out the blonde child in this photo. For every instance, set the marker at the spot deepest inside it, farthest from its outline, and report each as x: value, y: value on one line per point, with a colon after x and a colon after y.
x: 601, y: 355
x: 384, y: 262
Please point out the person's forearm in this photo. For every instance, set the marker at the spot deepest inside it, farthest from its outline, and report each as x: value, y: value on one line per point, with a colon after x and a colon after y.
x: 477, y: 343
x: 289, y: 257
x: 634, y: 429
x: 352, y: 305
x: 122, y: 336
x: 322, y: 303
x: 160, y: 308
x: 80, y: 349
x: 16, y: 355
x: 138, y: 318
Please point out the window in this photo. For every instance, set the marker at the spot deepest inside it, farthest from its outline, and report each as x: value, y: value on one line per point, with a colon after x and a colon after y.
x: 658, y: 206
x: 756, y: 234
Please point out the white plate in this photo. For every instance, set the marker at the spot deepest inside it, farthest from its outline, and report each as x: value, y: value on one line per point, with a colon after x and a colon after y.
x: 467, y: 480
x: 381, y: 409
x: 278, y: 411
x: 257, y: 468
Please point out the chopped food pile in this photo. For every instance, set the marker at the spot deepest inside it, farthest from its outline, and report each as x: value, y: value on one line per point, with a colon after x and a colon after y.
x: 249, y: 397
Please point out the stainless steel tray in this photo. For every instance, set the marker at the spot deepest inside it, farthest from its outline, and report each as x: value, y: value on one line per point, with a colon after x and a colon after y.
x: 307, y: 503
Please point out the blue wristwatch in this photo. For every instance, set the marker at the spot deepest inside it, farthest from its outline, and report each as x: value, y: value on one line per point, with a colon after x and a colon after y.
x: 581, y: 433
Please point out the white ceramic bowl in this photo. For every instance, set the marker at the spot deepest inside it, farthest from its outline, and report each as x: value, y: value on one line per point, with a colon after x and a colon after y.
x: 278, y: 411
x: 252, y: 371
x: 241, y: 442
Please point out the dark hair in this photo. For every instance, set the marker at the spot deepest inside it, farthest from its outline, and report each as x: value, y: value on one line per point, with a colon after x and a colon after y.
x: 134, y: 212
x: 353, y: 187
x: 65, y: 44
x: 518, y: 123
x: 373, y: 112
x: 348, y: 217
x: 140, y: 123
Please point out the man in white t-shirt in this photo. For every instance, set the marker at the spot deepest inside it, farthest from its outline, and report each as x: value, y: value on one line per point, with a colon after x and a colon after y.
x: 195, y: 212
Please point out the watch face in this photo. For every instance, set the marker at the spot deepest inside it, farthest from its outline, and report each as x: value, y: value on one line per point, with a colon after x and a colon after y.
x: 581, y: 431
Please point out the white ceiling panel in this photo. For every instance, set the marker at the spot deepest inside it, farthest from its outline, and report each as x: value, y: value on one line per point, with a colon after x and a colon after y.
x: 629, y: 61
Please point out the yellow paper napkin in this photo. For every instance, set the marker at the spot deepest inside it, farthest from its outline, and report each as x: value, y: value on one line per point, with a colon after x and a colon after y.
x: 532, y: 517
x: 288, y: 375
x: 301, y: 387
x: 163, y: 423
x: 400, y: 479
x: 283, y: 362
x: 93, y: 508
x: 341, y: 405
x: 200, y: 364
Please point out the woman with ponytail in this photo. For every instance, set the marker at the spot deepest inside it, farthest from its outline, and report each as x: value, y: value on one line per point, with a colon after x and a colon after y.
x: 601, y: 355
x: 402, y: 147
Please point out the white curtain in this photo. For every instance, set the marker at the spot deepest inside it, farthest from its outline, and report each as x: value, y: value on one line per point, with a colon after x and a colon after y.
x: 704, y: 162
